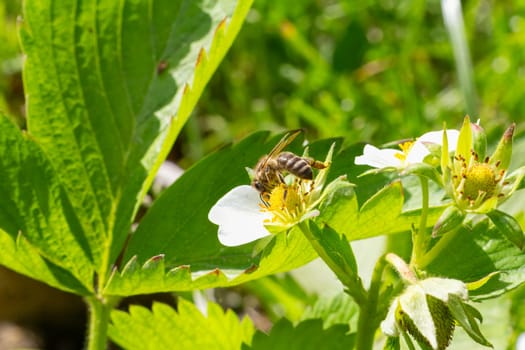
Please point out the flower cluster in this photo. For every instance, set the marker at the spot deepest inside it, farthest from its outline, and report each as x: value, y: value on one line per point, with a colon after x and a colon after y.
x: 429, y: 308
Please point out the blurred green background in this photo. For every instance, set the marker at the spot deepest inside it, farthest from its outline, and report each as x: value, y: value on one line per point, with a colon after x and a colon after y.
x: 371, y: 71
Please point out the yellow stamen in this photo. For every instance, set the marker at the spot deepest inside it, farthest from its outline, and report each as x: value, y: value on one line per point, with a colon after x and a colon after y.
x: 286, y: 203
x: 405, y: 148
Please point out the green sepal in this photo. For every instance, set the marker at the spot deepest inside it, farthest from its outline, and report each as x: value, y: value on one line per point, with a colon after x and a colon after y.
x: 445, y: 157
x: 508, y: 226
x: 464, y: 145
x: 451, y: 218
x: 467, y: 319
x: 487, y: 205
x: 479, y: 141
x: 392, y: 343
x: 503, y: 153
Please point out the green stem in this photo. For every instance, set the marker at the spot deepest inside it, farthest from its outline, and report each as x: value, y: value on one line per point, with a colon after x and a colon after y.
x: 368, y: 315
x: 98, y: 323
x: 352, y: 282
x: 436, y: 250
x: 420, y: 239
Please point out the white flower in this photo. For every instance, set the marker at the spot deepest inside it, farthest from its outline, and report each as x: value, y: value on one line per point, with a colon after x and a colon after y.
x: 243, y: 215
x: 239, y: 216
x: 413, y: 303
x: 411, y: 152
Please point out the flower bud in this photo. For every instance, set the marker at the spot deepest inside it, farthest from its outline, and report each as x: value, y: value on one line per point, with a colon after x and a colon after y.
x: 479, y: 141
x: 422, y: 311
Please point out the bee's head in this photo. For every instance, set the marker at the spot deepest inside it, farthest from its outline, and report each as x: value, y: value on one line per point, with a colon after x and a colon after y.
x: 258, y: 185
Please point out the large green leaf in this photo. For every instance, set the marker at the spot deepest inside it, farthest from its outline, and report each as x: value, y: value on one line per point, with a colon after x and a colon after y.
x: 109, y: 86
x: 477, y: 252
x: 333, y: 310
x: 188, y: 328
x: 34, y: 209
x: 307, y: 335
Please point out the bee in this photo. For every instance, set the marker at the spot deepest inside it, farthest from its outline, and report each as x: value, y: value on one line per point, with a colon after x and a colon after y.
x: 269, y: 169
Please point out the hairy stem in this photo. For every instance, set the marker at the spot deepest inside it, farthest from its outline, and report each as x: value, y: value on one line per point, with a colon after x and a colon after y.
x: 420, y: 239
x: 368, y: 316
x: 99, y: 312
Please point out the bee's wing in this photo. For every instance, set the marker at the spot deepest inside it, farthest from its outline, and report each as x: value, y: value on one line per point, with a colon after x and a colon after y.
x: 285, y: 141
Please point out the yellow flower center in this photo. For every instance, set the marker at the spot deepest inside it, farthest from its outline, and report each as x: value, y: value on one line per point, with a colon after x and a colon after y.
x: 479, y: 179
x: 286, y: 203
x: 405, y: 148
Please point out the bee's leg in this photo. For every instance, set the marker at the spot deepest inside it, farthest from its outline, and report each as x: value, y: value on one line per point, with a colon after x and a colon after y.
x: 281, y: 178
x: 265, y: 198
x: 317, y: 164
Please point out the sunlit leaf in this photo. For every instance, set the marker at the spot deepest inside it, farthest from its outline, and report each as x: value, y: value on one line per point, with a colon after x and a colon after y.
x: 508, y: 226
x: 477, y: 252
x: 34, y: 209
x: 466, y: 319
x: 307, y: 335
x: 333, y: 310
x: 186, y: 328
x: 110, y: 87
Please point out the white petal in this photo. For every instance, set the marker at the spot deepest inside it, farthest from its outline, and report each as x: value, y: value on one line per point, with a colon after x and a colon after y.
x: 417, y: 153
x: 441, y: 287
x: 414, y: 303
x: 437, y: 138
x: 389, y: 326
x: 378, y: 158
x: 239, y: 216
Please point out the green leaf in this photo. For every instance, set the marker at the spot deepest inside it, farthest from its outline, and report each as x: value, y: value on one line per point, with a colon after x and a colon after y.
x: 339, y: 252
x: 34, y: 208
x: 481, y: 282
x: 306, y: 335
x: 284, y: 253
x: 476, y: 252
x: 381, y: 214
x: 450, y: 219
x: 186, y: 328
x: 334, y: 310
x: 466, y: 319
x: 19, y: 255
x: 508, y: 226
x: 111, y: 86
x: 497, y: 322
